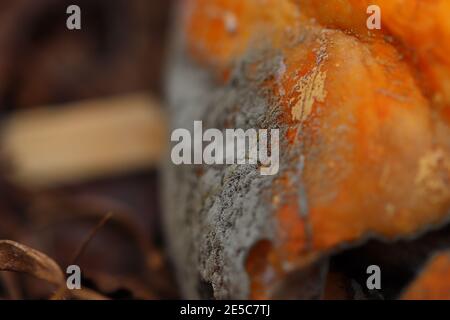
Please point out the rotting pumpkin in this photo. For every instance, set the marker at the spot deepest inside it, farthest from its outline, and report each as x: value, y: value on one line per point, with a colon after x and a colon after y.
x: 366, y: 123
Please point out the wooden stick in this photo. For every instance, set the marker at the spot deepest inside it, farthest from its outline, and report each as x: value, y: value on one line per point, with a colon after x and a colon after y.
x: 66, y: 144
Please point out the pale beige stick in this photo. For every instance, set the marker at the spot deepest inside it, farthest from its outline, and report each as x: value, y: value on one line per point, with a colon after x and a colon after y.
x: 85, y: 140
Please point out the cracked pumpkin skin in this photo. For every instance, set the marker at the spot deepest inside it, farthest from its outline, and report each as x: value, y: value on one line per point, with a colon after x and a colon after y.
x: 368, y: 113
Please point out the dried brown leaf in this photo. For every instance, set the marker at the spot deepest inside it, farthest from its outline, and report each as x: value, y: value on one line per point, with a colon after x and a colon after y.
x: 20, y: 258
x: 150, y: 273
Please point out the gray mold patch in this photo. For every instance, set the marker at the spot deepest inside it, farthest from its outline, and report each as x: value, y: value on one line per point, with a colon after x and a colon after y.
x: 215, y: 214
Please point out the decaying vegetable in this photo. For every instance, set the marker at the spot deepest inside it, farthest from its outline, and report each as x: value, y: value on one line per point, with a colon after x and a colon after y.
x: 365, y: 147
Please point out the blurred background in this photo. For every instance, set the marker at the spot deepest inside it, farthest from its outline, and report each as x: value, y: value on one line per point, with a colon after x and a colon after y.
x: 71, y: 103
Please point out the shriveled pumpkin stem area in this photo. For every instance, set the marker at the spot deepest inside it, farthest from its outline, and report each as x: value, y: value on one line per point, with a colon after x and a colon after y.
x: 364, y: 151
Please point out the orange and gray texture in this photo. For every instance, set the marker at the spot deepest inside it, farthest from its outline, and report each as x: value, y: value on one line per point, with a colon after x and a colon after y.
x: 364, y: 117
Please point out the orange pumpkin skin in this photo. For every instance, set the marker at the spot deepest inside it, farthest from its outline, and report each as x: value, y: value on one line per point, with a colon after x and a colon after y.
x: 433, y: 283
x: 365, y: 117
